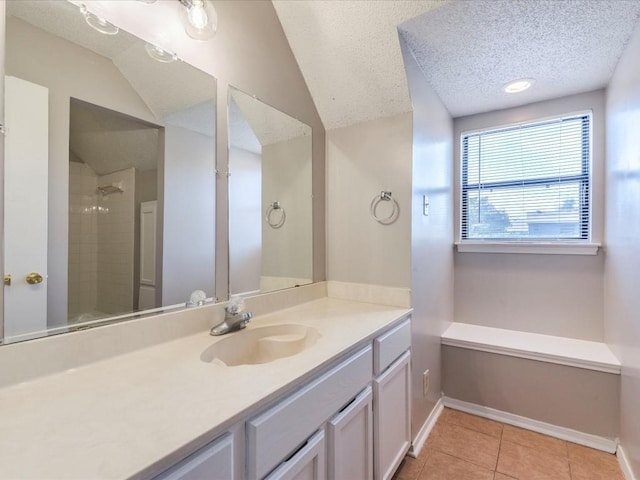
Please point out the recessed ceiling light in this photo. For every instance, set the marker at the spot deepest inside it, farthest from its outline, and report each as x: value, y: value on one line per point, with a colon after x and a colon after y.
x: 518, y: 86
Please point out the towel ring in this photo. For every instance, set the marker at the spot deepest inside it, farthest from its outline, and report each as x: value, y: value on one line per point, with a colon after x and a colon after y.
x: 275, y: 206
x: 385, y: 197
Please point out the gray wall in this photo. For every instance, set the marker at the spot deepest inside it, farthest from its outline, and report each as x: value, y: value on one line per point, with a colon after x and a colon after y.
x: 189, y: 215
x: 576, y: 398
x: 622, y: 302
x: 363, y: 160
x: 550, y: 294
x: 431, y: 236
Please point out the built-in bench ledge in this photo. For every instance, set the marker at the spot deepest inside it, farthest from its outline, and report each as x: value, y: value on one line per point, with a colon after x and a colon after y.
x: 545, y: 348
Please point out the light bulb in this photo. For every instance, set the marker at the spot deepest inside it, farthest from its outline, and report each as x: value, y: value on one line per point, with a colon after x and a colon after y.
x: 201, y: 19
x: 197, y: 15
x: 519, y: 85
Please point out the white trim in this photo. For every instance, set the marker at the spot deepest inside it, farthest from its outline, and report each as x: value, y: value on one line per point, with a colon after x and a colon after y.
x: 532, y: 346
x: 588, y: 440
x: 625, y: 465
x: 535, y: 248
x: 425, y: 430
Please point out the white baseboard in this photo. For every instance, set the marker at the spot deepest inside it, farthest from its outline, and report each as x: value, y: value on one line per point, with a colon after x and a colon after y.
x: 625, y: 465
x: 588, y: 440
x: 425, y: 430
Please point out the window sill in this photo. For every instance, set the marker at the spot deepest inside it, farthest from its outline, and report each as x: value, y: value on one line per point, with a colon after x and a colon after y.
x: 535, y: 248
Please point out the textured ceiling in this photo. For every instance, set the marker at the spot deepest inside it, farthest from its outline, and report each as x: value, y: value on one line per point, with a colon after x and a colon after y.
x: 254, y: 124
x: 350, y: 57
x: 108, y: 141
x: 469, y: 49
x: 349, y: 54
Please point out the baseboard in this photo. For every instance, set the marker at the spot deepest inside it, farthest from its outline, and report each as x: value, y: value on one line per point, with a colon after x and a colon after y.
x: 588, y: 440
x: 425, y: 430
x: 625, y: 465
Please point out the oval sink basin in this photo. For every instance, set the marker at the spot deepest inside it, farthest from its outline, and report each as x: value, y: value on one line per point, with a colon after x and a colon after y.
x: 254, y: 346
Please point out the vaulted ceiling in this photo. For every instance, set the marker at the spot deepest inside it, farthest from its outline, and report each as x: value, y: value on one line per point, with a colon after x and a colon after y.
x: 349, y: 51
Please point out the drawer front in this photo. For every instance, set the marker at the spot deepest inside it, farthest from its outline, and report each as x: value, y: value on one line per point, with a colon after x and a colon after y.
x: 274, y: 434
x: 213, y: 461
x: 308, y: 463
x: 390, y: 345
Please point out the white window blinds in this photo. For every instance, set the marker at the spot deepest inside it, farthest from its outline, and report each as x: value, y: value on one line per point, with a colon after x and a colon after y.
x: 527, y: 182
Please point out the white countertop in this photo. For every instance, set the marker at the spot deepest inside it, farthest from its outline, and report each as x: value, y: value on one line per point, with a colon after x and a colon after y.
x: 137, y: 413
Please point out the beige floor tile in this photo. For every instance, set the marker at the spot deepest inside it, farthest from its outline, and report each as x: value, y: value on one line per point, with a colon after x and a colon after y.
x: 527, y: 463
x: 440, y: 466
x: 589, y: 464
x: 502, y: 476
x: 527, y: 438
x: 479, y: 424
x: 410, y: 468
x: 465, y: 444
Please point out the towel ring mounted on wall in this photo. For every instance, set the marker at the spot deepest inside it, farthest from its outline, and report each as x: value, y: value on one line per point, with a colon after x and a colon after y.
x: 385, y: 197
x: 275, y: 222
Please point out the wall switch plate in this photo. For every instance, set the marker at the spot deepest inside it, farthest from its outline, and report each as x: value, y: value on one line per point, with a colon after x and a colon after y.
x: 425, y: 383
x: 425, y: 205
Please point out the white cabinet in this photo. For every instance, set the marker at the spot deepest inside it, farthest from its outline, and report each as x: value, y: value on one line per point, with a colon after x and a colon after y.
x: 350, y: 440
x: 308, y: 463
x: 274, y: 434
x: 392, y: 417
x: 212, y: 462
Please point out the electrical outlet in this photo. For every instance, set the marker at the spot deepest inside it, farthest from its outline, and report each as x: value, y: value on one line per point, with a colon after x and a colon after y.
x: 425, y: 383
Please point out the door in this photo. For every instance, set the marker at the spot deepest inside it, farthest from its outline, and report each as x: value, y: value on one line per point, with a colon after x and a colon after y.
x: 392, y: 417
x: 350, y: 440
x: 25, y: 206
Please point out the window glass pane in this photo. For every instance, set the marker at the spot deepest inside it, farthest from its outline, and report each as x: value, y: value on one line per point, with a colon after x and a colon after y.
x: 527, y: 182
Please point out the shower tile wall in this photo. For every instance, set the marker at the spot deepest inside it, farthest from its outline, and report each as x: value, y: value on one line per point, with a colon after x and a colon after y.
x: 116, y: 222
x: 83, y: 239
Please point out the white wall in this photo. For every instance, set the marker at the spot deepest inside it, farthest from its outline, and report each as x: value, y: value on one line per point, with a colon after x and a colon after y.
x: 363, y: 160
x: 551, y: 294
x: 189, y: 215
x: 286, y: 177
x: 431, y: 237
x: 68, y: 70
x: 622, y: 237
x: 245, y: 224
x: 116, y: 235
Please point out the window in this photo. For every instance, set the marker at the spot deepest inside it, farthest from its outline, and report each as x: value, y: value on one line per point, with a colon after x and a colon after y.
x: 527, y: 182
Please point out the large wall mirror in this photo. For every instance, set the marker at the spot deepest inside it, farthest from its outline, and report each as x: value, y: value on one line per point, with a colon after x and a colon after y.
x: 109, y: 174
x: 270, y: 201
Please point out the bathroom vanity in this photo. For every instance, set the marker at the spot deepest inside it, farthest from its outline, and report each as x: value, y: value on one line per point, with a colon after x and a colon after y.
x: 338, y: 408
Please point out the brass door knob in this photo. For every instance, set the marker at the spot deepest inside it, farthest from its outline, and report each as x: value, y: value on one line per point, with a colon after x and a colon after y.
x: 7, y: 279
x: 34, y: 278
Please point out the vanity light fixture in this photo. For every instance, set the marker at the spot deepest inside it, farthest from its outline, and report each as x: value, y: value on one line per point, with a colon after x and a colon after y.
x: 98, y: 23
x: 519, y: 85
x: 160, y: 54
x: 200, y: 18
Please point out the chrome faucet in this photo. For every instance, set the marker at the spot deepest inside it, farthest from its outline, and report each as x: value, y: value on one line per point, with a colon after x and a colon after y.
x: 231, y: 322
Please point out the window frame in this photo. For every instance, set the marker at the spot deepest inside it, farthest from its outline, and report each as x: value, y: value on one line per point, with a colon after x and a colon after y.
x: 577, y: 246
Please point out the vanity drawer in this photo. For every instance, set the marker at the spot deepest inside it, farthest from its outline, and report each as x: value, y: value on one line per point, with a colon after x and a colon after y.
x: 390, y: 345
x: 275, y: 433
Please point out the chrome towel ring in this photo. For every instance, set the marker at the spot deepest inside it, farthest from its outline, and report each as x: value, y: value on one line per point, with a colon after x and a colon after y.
x: 385, y: 197
x: 269, y: 216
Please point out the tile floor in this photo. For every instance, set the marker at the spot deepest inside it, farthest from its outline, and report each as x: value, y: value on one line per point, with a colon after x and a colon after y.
x: 466, y: 447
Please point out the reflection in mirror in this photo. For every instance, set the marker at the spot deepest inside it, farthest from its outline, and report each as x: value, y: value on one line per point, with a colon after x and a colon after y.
x: 270, y: 202
x: 109, y: 175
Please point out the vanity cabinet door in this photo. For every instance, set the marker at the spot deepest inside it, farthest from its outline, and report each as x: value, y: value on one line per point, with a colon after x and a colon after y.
x: 350, y: 440
x: 212, y: 462
x: 308, y: 463
x: 392, y: 417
